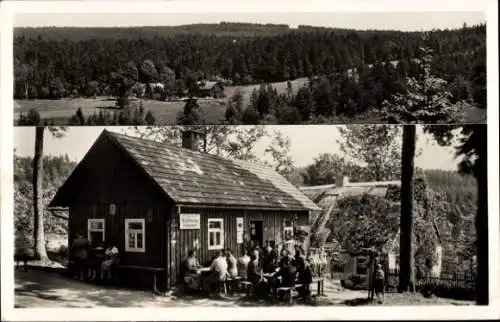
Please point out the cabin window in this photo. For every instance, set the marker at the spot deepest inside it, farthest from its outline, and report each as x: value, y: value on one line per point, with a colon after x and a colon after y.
x: 135, y: 235
x: 95, y: 231
x: 215, y: 234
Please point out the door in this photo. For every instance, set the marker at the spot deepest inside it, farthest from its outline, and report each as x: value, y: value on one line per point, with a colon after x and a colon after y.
x: 257, y: 231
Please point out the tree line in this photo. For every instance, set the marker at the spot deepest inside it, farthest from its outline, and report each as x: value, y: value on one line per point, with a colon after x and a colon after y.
x: 54, y: 66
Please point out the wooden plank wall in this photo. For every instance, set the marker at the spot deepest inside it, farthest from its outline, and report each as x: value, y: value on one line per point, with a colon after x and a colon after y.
x: 186, y: 240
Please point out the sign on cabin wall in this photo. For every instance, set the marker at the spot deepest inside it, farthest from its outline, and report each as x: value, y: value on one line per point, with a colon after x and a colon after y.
x: 189, y: 221
x: 239, y: 230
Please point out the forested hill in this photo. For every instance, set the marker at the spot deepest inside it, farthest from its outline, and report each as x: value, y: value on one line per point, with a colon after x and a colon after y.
x: 86, y: 33
x: 61, y: 61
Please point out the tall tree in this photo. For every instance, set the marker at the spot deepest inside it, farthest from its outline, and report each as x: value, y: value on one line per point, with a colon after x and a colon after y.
x: 427, y: 100
x: 377, y: 146
x: 38, y: 232
x: 279, y: 150
x: 25, y: 74
x: 406, y: 252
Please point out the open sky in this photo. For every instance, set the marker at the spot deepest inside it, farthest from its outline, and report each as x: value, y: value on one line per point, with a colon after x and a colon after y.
x: 406, y: 21
x: 307, y: 142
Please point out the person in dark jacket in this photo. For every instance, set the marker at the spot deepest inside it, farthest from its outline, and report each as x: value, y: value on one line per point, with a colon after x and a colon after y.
x: 253, y: 270
x: 379, y: 283
x: 304, y: 277
x: 79, y: 253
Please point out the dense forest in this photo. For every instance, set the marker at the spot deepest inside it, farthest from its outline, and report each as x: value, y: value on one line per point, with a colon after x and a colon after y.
x: 61, y: 62
x: 56, y: 170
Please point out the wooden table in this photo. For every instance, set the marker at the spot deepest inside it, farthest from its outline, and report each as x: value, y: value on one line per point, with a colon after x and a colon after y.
x: 154, y: 270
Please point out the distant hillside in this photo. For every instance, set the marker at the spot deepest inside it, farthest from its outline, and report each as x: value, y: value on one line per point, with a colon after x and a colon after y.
x: 233, y: 29
x: 220, y: 29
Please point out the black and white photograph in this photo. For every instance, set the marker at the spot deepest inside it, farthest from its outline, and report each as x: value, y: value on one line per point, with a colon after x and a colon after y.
x: 249, y: 215
x: 281, y: 68
x: 250, y: 160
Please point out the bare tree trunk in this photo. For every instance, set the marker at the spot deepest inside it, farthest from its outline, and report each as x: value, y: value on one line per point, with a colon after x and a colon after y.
x: 406, y: 275
x: 481, y: 174
x: 38, y: 229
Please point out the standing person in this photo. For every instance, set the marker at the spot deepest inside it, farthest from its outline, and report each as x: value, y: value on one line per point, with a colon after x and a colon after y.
x: 304, y: 277
x: 371, y: 273
x: 254, y: 274
x: 273, y: 256
x: 111, y: 259
x: 79, y: 253
x: 380, y: 284
x: 23, y: 251
x: 96, y: 257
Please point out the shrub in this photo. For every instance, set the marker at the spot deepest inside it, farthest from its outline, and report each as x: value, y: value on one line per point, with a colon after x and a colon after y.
x: 447, y: 290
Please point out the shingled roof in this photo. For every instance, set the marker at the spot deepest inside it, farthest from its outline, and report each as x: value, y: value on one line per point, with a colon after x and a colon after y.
x: 192, y: 177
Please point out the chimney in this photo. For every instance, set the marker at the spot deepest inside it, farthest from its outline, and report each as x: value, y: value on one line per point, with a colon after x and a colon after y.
x: 341, y: 181
x: 190, y: 139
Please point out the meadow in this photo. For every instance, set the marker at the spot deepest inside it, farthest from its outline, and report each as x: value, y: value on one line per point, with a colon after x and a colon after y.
x: 59, y: 111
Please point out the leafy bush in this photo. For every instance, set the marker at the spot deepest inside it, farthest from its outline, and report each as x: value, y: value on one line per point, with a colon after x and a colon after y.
x: 355, y: 282
x: 447, y: 290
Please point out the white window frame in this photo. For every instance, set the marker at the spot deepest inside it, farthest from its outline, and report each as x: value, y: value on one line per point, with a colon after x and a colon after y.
x: 215, y: 230
x: 90, y: 230
x: 142, y: 231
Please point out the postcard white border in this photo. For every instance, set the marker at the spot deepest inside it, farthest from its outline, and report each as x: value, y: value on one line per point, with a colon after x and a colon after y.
x: 212, y: 313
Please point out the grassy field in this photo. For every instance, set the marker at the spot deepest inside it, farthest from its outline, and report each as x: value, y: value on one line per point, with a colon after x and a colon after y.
x: 59, y: 111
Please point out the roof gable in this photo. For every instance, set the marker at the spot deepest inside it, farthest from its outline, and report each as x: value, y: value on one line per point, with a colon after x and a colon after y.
x: 191, y: 177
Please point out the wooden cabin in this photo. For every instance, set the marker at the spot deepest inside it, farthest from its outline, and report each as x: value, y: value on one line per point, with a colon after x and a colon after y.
x: 156, y: 201
x: 213, y: 89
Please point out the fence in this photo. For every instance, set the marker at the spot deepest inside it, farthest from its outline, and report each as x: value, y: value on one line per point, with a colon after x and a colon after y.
x: 456, y: 280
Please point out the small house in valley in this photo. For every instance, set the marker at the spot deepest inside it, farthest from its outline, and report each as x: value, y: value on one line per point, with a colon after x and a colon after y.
x: 326, y: 196
x: 213, y: 89
x: 156, y: 201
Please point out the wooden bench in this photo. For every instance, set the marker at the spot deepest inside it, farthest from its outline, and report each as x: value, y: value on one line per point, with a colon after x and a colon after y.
x: 229, y: 282
x: 287, y: 290
x: 154, y: 270
x: 247, y: 287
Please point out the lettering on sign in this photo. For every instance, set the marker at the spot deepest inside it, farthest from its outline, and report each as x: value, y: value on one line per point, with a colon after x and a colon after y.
x: 239, y: 230
x: 189, y: 221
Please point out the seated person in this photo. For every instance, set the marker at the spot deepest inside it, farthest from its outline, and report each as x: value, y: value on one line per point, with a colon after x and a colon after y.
x: 242, y: 266
x: 231, y: 263
x: 192, y: 277
x: 111, y: 259
x: 219, y: 269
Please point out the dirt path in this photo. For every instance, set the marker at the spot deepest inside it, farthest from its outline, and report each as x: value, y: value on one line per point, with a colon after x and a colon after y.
x: 42, y: 289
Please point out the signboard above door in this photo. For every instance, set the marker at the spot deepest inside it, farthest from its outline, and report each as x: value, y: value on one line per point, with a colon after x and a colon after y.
x: 189, y: 221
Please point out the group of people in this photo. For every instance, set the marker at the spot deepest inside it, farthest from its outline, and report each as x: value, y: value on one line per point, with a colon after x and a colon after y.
x: 265, y: 267
x: 222, y: 267
x: 90, y: 259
